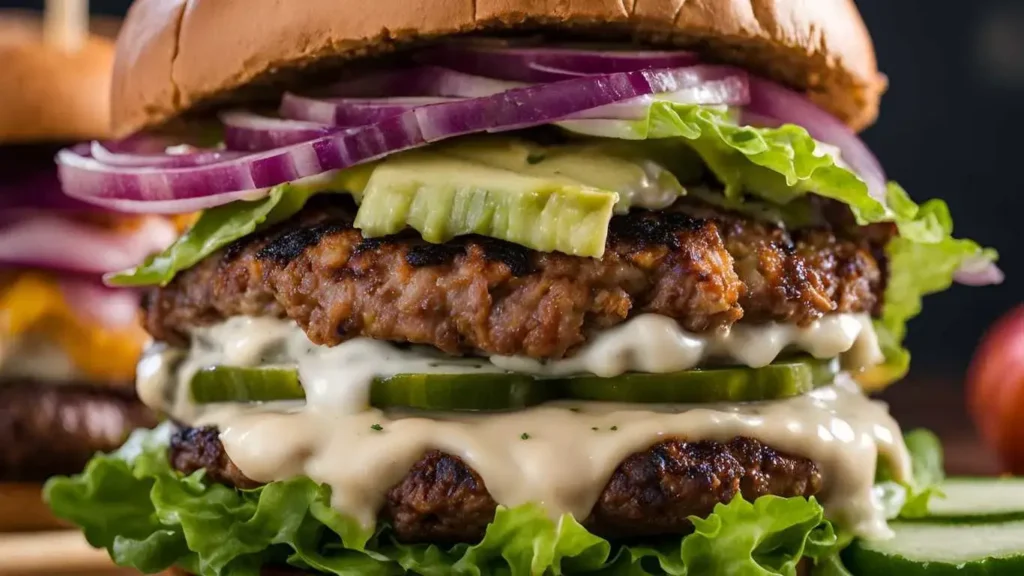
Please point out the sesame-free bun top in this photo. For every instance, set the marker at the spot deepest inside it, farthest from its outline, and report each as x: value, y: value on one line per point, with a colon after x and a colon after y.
x: 51, y: 94
x: 173, y: 55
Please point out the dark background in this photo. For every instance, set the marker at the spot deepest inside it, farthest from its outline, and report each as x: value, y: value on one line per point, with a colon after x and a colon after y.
x: 952, y: 126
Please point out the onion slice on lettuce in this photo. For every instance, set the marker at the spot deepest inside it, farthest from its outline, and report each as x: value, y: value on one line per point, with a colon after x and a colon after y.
x: 111, y: 307
x: 150, y: 517
x: 54, y: 242
x: 155, y: 188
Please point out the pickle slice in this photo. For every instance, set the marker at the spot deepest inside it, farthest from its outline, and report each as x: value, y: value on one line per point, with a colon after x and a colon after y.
x: 235, y: 384
x: 461, y: 392
x: 457, y: 392
x: 495, y: 392
x: 728, y: 384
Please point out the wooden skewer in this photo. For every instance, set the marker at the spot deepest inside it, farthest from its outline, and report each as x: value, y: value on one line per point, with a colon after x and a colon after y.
x: 66, y: 24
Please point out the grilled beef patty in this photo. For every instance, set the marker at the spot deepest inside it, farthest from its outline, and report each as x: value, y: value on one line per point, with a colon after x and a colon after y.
x: 483, y: 296
x: 652, y: 493
x: 51, y: 429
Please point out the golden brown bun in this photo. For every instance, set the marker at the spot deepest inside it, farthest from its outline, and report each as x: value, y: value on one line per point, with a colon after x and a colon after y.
x: 50, y: 94
x: 22, y: 509
x: 170, y: 59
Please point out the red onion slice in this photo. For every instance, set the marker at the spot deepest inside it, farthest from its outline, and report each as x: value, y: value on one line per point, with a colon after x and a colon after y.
x: 187, y: 157
x: 249, y: 132
x: 90, y: 300
x: 549, y: 64
x: 196, y: 188
x: 185, y: 190
x: 419, y: 82
x: 54, y: 243
x: 769, y: 100
x: 353, y: 112
x: 979, y: 271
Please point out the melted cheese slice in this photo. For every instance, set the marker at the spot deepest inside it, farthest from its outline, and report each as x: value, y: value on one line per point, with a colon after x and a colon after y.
x: 33, y: 306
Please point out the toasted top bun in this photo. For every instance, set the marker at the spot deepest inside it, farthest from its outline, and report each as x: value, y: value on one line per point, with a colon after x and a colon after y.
x: 50, y: 94
x: 172, y: 58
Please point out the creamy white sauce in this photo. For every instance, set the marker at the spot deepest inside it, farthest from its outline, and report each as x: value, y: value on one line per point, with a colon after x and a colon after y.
x: 340, y: 376
x: 552, y: 454
x: 653, y: 343
x: 35, y: 357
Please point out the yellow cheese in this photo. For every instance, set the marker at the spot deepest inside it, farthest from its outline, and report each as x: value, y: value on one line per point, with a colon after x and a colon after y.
x: 32, y: 302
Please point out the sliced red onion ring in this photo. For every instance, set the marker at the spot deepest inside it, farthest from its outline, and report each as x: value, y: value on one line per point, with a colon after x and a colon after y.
x: 352, y: 112
x: 186, y: 157
x: 732, y: 90
x: 770, y: 100
x: 245, y: 131
x: 55, y: 243
x: 185, y: 190
x: 419, y: 82
x: 549, y: 64
x: 979, y: 271
x: 196, y: 188
x: 91, y: 301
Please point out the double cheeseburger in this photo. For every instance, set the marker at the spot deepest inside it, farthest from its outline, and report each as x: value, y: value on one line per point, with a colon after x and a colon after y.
x: 512, y: 287
x: 68, y: 345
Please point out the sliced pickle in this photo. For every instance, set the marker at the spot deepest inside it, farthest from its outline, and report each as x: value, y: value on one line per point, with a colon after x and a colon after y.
x: 495, y: 392
x: 727, y: 384
x: 461, y: 392
x: 234, y: 384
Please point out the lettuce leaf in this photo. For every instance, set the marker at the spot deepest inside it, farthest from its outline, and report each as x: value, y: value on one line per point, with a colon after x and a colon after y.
x: 910, y: 499
x: 775, y: 165
x: 782, y: 164
x: 150, y: 517
x: 218, y: 227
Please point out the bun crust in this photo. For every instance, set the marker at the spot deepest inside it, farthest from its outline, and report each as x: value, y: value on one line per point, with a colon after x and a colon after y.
x: 50, y: 94
x: 22, y: 509
x: 175, y: 55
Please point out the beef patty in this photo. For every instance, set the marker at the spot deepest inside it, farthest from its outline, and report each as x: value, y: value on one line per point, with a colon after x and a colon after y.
x: 479, y: 295
x: 51, y: 429
x: 652, y: 493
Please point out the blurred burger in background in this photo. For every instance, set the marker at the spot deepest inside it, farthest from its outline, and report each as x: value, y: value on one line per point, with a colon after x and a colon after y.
x: 68, y: 345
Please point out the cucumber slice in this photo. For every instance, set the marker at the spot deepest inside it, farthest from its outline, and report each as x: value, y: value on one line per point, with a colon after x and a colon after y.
x: 978, y: 500
x: 772, y: 382
x: 234, y: 384
x: 926, y: 549
x: 460, y: 392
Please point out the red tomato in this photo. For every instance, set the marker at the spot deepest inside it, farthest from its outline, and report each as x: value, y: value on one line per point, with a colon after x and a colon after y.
x: 995, y: 389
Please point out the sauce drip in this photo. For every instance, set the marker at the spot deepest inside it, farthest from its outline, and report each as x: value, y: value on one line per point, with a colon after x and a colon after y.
x: 560, y: 454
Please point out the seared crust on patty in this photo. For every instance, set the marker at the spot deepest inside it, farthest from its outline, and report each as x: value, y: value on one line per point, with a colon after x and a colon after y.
x: 652, y: 493
x: 479, y: 295
x: 51, y: 429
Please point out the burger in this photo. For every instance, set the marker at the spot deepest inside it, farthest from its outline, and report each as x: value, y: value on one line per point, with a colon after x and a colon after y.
x: 68, y: 345
x: 514, y: 288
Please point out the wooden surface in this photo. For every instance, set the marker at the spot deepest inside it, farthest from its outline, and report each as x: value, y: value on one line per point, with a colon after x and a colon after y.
x: 64, y: 553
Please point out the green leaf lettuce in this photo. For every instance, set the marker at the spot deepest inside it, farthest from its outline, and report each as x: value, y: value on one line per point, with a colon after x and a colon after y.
x: 150, y: 517
x: 774, y: 165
